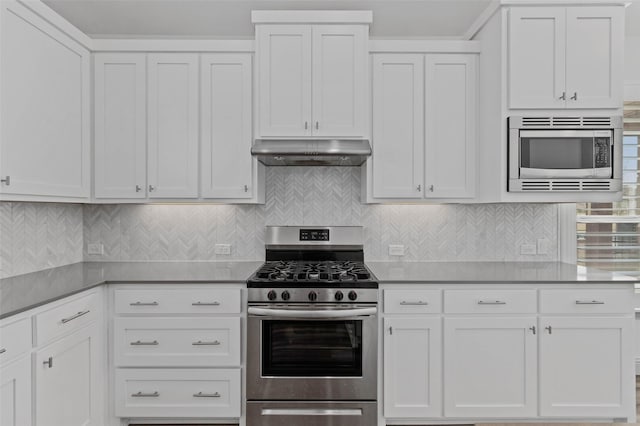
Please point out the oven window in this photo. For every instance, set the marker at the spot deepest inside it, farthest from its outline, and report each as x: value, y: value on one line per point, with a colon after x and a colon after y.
x: 312, y: 348
x: 557, y: 153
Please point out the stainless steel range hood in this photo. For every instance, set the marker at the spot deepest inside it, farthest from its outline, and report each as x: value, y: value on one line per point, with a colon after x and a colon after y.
x: 317, y: 152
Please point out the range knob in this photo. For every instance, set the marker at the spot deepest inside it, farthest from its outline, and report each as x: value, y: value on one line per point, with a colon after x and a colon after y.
x: 353, y: 295
x: 285, y: 295
x: 313, y: 296
x: 272, y: 295
x: 339, y: 295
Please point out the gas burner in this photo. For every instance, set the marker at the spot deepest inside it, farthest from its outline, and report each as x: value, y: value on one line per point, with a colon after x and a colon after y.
x: 302, y: 272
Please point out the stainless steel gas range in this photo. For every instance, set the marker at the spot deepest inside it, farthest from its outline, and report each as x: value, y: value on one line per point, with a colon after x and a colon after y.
x: 312, y: 331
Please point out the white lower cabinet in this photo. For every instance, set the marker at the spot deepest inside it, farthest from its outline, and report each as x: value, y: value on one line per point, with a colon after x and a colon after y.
x: 490, y: 367
x: 67, y: 380
x: 585, y: 370
x: 412, y: 366
x: 15, y: 392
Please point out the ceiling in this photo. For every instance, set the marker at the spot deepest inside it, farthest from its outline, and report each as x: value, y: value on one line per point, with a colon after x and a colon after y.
x: 232, y: 18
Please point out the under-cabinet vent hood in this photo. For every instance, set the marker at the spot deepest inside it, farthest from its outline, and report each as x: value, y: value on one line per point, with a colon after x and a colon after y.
x: 317, y: 152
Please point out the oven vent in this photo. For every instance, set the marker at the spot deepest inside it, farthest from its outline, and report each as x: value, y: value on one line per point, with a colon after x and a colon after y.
x: 536, y: 185
x: 565, y: 185
x: 536, y: 121
x: 566, y: 121
x: 596, y: 121
x: 596, y: 186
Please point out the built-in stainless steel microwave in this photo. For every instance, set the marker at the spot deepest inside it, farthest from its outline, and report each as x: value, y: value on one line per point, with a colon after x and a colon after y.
x: 567, y: 154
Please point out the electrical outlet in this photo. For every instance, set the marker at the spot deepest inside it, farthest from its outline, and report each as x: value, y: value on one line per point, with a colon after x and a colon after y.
x: 396, y: 250
x: 543, y: 246
x: 223, y: 249
x: 95, y: 248
x: 528, y: 249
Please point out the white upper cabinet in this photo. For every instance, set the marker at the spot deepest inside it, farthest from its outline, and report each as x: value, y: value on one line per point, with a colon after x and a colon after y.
x: 120, y: 125
x: 450, y: 131
x: 312, y: 80
x: 44, y: 113
x: 398, y: 125
x: 173, y: 125
x: 565, y: 57
x: 227, y: 165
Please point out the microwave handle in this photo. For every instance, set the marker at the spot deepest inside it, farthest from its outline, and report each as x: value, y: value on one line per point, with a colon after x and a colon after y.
x: 313, y: 314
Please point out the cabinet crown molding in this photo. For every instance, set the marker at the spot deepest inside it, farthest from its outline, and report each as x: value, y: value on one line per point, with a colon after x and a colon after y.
x: 311, y: 16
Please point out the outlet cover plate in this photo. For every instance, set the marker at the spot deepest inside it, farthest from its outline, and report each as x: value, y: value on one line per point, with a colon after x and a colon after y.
x: 224, y: 249
x: 528, y: 249
x: 396, y: 250
x: 95, y: 248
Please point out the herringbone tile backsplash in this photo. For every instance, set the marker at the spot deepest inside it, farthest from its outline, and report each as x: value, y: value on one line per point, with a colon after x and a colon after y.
x: 36, y: 236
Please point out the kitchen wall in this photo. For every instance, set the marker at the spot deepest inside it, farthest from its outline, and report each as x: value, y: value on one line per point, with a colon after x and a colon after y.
x: 35, y: 236
x: 319, y: 196
x: 632, y: 68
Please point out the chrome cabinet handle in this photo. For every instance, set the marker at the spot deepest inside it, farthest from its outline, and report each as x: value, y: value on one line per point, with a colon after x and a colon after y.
x: 216, y: 303
x: 312, y: 412
x: 563, y: 97
x: 3, y: 350
x: 246, y: 188
x: 418, y: 303
x: 431, y: 188
x: 391, y: 331
x: 201, y: 343
x: 575, y: 96
x: 491, y: 302
x: 138, y: 188
x: 141, y: 343
x: 533, y: 329
x: 317, y: 125
x: 146, y: 395
x: 144, y: 304
x: 589, y: 302
x: 6, y: 180
x: 49, y: 362
x: 78, y: 315
x: 206, y: 395
x: 548, y: 328
x: 152, y: 188
x: 419, y: 188
x: 306, y: 125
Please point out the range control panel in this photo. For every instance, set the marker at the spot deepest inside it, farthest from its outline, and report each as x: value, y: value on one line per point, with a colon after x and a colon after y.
x: 314, y: 235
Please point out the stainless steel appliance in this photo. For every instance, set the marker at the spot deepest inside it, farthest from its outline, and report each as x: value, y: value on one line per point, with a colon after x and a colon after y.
x: 304, y: 152
x: 566, y: 154
x: 312, y: 336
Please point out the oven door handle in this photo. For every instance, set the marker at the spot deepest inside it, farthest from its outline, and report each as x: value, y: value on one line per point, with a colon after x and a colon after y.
x: 317, y: 314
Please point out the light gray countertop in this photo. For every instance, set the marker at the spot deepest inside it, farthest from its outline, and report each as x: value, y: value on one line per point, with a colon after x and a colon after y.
x: 23, y: 292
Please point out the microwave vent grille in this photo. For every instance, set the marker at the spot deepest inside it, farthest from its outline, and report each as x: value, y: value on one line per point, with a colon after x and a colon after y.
x: 566, y: 121
x: 596, y: 186
x: 564, y: 185
x: 536, y: 185
x: 596, y: 121
x: 536, y: 121
x: 571, y: 122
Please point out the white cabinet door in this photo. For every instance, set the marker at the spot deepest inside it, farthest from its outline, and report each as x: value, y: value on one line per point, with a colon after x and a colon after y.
x: 284, y: 70
x: 339, y: 80
x: 586, y: 367
x: 227, y: 165
x: 398, y: 125
x: 412, y: 367
x: 173, y: 125
x: 490, y: 367
x: 120, y: 125
x: 67, y: 380
x: 537, y: 57
x: 595, y: 51
x: 450, y: 99
x: 44, y: 108
x: 15, y: 393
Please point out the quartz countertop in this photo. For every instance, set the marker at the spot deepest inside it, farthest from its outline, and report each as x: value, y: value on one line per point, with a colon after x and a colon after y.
x: 23, y: 292
x: 490, y: 272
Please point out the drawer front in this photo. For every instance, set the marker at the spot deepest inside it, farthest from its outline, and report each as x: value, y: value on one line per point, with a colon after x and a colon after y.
x: 187, y: 301
x: 175, y: 342
x: 67, y: 318
x: 183, y: 393
x: 490, y: 301
x: 589, y: 301
x: 412, y: 301
x: 15, y: 339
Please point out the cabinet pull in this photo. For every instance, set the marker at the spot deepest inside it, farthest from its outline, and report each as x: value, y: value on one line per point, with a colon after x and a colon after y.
x: 246, y: 188
x: 138, y: 188
x: 418, y: 303
x: 548, y: 328
x: 206, y: 395
x: 491, y: 302
x: 216, y: 303
x: 3, y: 350
x: 49, y: 362
x: 589, y: 302
x: 306, y: 125
x: 152, y: 188
x: 144, y: 304
x: 146, y: 395
x: 533, y: 329
x: 317, y: 125
x: 419, y: 188
x: 575, y: 96
x: 6, y: 180
x: 563, y: 97
x: 391, y: 330
x: 431, y: 188
x: 141, y: 343
x: 201, y: 343
x: 78, y: 315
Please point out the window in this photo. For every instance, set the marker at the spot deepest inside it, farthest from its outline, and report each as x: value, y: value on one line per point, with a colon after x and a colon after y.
x: 609, y: 233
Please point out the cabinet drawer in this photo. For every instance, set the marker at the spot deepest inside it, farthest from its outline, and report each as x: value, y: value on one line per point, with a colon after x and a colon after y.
x: 175, y: 342
x: 187, y: 301
x: 582, y: 301
x: 15, y: 339
x: 490, y: 301
x: 175, y: 393
x: 412, y: 301
x: 66, y: 318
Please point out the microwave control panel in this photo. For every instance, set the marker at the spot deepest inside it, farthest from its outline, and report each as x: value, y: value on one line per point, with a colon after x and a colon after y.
x: 602, y: 157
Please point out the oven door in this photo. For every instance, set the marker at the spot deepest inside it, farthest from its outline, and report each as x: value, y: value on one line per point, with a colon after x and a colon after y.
x: 565, y: 154
x: 312, y: 352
